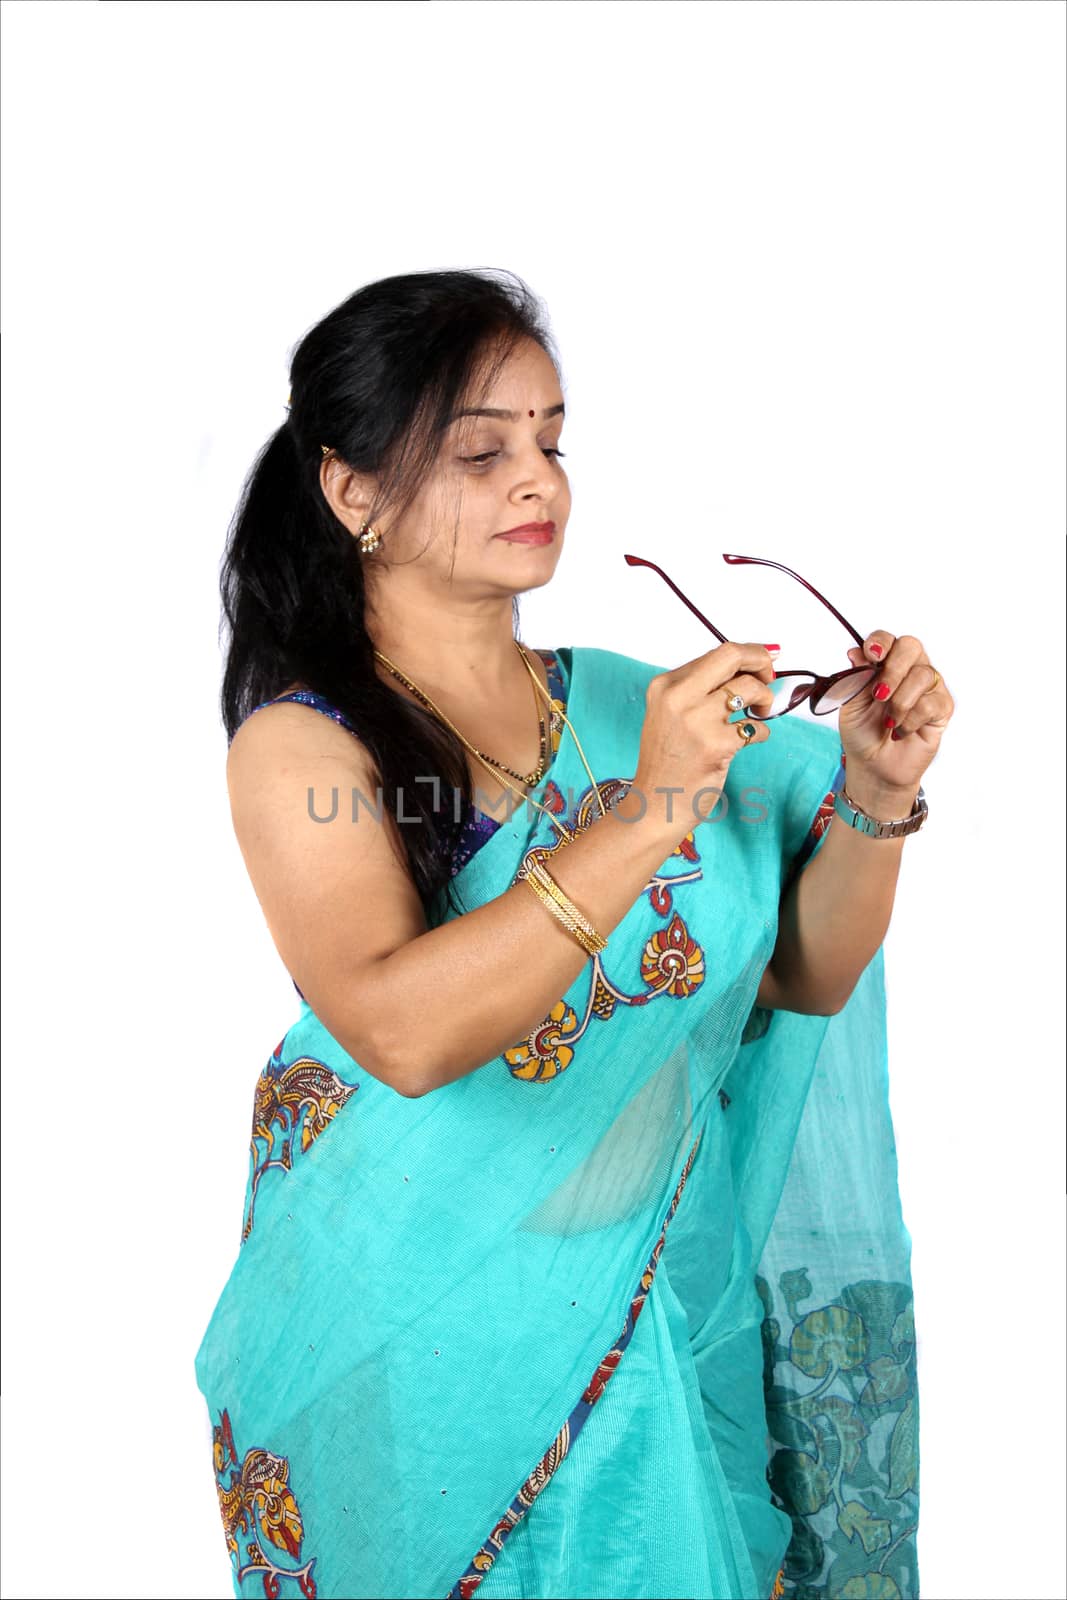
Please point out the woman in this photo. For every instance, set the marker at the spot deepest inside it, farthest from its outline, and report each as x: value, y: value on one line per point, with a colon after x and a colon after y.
x: 571, y: 1260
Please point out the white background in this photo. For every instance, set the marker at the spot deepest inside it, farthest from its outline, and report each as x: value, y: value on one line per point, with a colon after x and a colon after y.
x: 805, y: 263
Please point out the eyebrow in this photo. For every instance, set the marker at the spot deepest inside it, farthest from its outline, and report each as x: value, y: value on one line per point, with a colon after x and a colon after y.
x: 506, y: 416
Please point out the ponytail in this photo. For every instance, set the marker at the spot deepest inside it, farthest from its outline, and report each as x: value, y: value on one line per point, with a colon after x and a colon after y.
x: 399, y: 353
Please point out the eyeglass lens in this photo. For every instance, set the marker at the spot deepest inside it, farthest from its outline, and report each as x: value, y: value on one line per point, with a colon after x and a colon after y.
x: 792, y: 689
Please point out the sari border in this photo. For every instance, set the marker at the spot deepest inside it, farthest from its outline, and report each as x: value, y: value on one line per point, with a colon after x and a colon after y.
x: 487, y: 1553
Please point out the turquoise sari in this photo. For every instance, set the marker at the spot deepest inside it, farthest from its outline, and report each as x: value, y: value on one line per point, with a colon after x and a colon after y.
x: 624, y: 1312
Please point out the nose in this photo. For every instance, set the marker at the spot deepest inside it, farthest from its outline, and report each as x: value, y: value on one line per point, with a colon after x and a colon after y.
x: 538, y: 482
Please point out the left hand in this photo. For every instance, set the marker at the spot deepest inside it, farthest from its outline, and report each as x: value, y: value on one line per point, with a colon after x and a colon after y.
x: 881, y: 759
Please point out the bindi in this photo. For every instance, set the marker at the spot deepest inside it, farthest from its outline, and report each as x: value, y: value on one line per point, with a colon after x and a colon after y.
x: 531, y: 413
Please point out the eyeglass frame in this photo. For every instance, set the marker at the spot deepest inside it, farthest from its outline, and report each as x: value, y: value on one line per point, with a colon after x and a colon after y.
x: 820, y: 684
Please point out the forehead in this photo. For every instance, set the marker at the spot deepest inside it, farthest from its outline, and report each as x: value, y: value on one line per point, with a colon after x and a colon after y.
x: 526, y: 380
x: 525, y: 386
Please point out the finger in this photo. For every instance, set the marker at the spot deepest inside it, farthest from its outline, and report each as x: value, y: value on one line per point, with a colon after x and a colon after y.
x: 756, y: 732
x: 877, y: 645
x: 758, y: 660
x: 904, y: 654
x: 712, y: 670
x: 917, y: 702
x: 751, y: 690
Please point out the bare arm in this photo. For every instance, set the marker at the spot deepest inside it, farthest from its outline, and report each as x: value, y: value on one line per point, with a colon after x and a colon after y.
x: 836, y: 913
x: 417, y: 1007
x: 501, y: 967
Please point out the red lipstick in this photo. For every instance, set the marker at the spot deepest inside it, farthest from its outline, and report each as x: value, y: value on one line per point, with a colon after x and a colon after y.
x: 531, y: 533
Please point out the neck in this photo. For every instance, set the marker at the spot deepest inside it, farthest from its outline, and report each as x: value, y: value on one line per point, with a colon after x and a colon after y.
x: 463, y: 657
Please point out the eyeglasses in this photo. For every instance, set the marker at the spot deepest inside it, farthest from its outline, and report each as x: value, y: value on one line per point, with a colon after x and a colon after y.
x: 791, y: 689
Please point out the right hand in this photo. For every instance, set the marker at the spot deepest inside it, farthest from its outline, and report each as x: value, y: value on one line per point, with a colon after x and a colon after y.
x: 688, y: 740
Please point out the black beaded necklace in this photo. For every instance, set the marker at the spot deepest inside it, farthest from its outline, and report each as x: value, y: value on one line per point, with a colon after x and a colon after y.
x: 531, y: 778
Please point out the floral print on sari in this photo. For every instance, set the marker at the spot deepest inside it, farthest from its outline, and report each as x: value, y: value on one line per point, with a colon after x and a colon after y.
x: 259, y: 1508
x: 842, y: 1408
x: 305, y: 1091
x: 671, y: 961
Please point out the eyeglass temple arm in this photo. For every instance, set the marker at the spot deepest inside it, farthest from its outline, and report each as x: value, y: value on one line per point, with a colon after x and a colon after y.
x: 639, y: 561
x: 760, y: 561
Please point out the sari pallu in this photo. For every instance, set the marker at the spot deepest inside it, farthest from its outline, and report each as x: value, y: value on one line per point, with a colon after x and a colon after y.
x: 625, y: 1311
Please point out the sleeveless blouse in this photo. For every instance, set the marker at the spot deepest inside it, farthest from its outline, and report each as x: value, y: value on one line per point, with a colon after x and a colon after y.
x: 477, y: 826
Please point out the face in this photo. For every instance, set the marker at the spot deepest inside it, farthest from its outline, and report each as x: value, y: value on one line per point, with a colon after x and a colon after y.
x: 494, y: 473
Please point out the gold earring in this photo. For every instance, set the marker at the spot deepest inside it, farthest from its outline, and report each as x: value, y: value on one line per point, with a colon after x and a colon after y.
x: 369, y: 538
x: 325, y: 448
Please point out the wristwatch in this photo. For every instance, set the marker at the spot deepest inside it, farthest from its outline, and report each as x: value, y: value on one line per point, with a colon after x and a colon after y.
x: 851, y: 814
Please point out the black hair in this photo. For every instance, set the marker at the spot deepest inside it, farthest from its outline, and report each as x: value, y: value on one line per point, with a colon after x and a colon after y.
x: 377, y: 380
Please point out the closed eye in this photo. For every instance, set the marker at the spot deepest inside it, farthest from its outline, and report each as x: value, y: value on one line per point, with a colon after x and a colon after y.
x: 487, y: 455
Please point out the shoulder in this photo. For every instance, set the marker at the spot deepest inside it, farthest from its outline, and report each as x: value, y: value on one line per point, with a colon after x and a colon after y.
x: 612, y: 671
x: 281, y: 739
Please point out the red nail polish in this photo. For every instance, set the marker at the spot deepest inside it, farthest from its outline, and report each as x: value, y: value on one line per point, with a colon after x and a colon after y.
x: 772, y: 647
x: 890, y: 722
x: 896, y: 734
x: 882, y: 692
x: 875, y: 649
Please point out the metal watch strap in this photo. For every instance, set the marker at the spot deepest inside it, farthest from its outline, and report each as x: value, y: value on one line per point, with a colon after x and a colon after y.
x: 853, y: 817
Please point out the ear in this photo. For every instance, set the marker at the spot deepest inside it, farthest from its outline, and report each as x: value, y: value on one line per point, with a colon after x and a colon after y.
x: 349, y: 494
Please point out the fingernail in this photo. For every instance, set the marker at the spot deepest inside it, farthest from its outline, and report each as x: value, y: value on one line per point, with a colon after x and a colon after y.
x: 773, y: 648
x: 890, y: 722
x: 896, y: 734
x: 882, y: 692
x: 875, y: 649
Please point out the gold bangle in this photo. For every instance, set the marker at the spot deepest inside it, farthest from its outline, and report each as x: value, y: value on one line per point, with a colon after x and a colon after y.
x: 558, y: 912
x: 534, y: 867
x: 560, y: 907
x: 539, y: 871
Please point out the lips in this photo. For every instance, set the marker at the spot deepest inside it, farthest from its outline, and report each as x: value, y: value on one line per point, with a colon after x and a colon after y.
x: 530, y: 533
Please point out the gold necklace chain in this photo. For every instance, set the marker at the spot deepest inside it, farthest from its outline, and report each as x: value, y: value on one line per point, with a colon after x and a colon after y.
x: 486, y: 760
x: 524, y: 777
